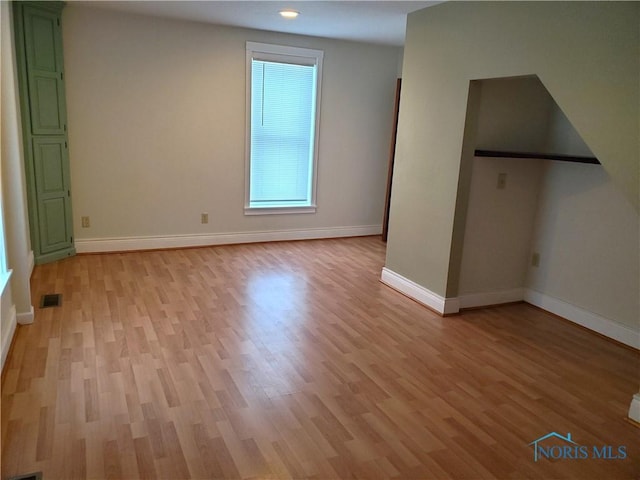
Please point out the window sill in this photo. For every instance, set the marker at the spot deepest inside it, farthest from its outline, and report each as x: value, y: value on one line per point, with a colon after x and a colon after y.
x: 279, y: 210
x: 4, y: 280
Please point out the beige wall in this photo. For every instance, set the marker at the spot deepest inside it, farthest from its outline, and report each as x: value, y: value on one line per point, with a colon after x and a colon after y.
x: 562, y: 138
x: 587, y: 59
x: 499, y: 226
x: 585, y: 232
x: 514, y: 115
x: 587, y: 235
x: 517, y: 114
x: 156, y: 113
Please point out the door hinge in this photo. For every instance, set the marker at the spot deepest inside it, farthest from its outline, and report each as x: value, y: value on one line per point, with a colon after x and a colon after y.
x: 65, y: 127
x: 58, y: 21
x: 68, y: 193
x: 71, y: 240
x: 65, y: 145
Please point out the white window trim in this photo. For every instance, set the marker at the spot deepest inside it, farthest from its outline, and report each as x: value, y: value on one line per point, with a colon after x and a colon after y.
x: 5, y: 276
x: 300, y: 56
x: 5, y: 273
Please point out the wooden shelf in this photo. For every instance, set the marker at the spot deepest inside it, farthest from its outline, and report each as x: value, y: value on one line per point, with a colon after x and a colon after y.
x: 541, y: 156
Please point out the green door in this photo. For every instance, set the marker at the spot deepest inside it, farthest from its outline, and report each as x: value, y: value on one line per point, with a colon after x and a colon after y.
x: 44, y: 66
x: 53, y: 193
x: 44, y: 128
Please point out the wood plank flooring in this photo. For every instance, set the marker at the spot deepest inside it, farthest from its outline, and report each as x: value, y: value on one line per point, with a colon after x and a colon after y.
x: 291, y: 360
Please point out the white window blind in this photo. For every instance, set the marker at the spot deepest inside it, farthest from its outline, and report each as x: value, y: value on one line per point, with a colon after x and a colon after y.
x: 283, y: 93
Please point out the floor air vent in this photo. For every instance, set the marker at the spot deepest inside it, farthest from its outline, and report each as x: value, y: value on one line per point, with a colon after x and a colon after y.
x: 50, y: 300
x: 29, y: 476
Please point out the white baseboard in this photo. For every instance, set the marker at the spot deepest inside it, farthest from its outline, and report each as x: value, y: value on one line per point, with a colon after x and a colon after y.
x: 97, y: 245
x: 26, y: 318
x: 491, y: 298
x: 6, y: 341
x: 590, y: 320
x: 634, y: 408
x: 441, y: 305
x: 444, y: 306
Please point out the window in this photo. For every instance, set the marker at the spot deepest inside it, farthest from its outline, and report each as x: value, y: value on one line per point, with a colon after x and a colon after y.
x: 283, y: 95
x: 4, y: 273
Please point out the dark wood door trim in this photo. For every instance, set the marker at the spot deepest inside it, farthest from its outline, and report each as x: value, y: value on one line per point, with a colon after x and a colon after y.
x: 392, y: 154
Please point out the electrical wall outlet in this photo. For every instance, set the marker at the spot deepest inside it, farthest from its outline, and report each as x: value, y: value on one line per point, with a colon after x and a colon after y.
x: 535, y: 259
x: 204, y: 218
x: 502, y: 181
x: 86, y: 222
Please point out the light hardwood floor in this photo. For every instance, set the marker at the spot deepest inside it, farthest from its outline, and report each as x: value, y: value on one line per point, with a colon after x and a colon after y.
x: 291, y: 360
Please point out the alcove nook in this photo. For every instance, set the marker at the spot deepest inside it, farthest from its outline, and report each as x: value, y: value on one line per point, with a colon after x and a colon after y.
x: 544, y: 221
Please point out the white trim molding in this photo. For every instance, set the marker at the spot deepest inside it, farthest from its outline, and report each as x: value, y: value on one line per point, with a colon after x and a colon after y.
x: 123, y: 244
x: 279, y: 210
x: 287, y: 55
x: 26, y: 318
x: 447, y: 306
x: 441, y: 305
x: 634, y: 408
x: 590, y: 320
x: 491, y: 298
x: 4, y: 280
x: 6, y: 341
x: 30, y: 262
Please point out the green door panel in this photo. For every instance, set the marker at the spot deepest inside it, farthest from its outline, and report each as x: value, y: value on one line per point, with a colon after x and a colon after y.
x: 52, y: 193
x: 45, y: 103
x: 41, y: 31
x: 49, y: 167
x: 53, y: 234
x: 40, y: 62
x: 44, y: 71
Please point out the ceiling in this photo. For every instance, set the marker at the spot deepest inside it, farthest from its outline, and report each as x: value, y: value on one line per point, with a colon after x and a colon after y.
x: 381, y: 22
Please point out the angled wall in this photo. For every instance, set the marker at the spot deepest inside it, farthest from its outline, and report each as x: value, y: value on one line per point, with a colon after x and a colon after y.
x: 586, y: 55
x: 586, y: 234
x: 582, y: 229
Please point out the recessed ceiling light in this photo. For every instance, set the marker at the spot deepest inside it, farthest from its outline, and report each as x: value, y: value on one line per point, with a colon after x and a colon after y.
x: 289, y: 13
